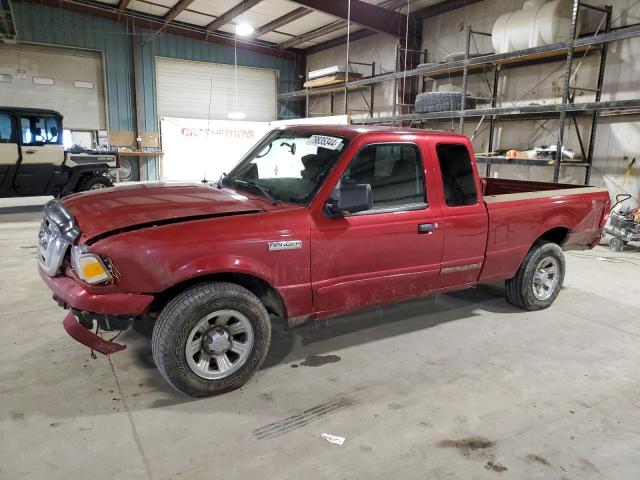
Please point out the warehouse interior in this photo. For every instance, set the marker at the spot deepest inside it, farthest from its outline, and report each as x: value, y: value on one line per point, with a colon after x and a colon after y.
x: 132, y: 134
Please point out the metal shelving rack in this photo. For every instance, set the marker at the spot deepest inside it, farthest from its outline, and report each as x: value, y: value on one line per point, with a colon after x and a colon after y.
x: 331, y: 90
x: 498, y: 61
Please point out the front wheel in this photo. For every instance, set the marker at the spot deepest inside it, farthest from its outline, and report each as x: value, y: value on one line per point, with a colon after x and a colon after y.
x: 94, y: 182
x: 539, y: 278
x: 211, y: 338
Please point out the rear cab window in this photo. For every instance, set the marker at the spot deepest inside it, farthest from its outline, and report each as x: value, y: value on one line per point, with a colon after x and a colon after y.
x: 458, y: 179
x: 395, y: 173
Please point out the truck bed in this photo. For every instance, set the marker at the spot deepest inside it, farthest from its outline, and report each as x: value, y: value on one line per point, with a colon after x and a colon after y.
x: 520, y: 211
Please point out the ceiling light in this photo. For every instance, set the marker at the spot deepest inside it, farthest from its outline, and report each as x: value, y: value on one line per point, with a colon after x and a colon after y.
x: 236, y: 115
x: 244, y: 29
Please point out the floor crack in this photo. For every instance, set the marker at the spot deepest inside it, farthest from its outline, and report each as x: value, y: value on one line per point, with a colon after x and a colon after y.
x: 612, y: 327
x: 136, y: 438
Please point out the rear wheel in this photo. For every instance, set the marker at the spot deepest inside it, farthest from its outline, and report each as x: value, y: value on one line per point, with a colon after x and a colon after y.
x: 616, y: 245
x: 211, y: 338
x: 539, y: 278
x: 94, y: 182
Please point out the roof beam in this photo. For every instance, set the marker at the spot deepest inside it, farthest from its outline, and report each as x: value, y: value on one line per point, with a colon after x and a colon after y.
x: 318, y: 32
x: 280, y: 21
x: 176, y: 10
x: 426, y: 12
x: 123, y: 4
x: 336, y: 42
x: 339, y: 25
x: 369, y: 16
x: 229, y: 15
x: 442, y: 7
x: 142, y: 20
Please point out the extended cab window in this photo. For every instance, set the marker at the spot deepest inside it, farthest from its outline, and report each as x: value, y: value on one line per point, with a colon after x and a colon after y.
x: 6, y: 128
x: 394, y: 172
x: 457, y: 175
x: 40, y: 130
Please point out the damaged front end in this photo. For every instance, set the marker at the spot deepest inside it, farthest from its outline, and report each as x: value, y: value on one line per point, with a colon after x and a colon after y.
x: 78, y: 329
x: 85, y: 327
x: 62, y: 262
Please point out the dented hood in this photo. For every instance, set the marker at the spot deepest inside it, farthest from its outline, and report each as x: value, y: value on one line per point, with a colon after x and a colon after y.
x: 102, y: 212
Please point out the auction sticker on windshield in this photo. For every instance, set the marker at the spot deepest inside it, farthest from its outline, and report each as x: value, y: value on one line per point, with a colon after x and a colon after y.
x: 331, y: 143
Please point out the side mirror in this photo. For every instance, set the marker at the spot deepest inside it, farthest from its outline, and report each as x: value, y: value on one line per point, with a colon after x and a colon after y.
x: 348, y: 199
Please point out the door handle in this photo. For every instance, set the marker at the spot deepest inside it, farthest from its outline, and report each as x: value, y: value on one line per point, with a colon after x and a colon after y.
x: 30, y: 152
x: 426, y: 228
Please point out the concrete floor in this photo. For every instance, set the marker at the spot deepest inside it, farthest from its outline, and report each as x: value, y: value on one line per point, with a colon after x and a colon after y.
x: 453, y: 386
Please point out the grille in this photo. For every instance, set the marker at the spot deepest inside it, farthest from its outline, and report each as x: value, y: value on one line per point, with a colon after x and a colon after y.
x: 57, y: 232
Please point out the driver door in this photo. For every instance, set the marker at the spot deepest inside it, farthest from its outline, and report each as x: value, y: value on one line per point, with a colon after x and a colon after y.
x: 384, y: 254
x: 41, y: 153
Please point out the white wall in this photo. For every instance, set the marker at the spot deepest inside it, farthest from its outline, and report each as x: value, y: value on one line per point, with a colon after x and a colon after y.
x: 380, y: 48
x: 617, y: 137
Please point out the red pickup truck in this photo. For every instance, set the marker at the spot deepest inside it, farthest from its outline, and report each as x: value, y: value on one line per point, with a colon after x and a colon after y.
x: 314, y: 221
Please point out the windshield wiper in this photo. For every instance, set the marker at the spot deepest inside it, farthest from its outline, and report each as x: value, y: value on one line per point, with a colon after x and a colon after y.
x: 223, y: 179
x: 265, y: 192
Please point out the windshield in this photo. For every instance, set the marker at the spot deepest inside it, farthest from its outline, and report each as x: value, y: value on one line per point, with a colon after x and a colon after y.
x: 290, y: 166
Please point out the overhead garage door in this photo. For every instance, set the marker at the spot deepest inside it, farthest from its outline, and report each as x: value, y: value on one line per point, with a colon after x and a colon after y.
x: 67, y: 80
x: 204, y: 90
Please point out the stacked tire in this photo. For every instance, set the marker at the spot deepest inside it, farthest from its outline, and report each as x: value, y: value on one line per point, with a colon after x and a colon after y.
x: 441, y: 102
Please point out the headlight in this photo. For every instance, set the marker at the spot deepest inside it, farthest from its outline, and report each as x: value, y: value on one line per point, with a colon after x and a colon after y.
x: 90, y: 267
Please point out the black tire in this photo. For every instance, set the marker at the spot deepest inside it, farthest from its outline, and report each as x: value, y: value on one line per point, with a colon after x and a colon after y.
x: 182, y: 314
x: 94, y: 182
x: 520, y: 289
x: 616, y: 245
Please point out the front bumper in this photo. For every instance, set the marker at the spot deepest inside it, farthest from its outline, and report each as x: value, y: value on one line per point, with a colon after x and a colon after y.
x: 86, y: 337
x: 108, y: 308
x: 72, y: 295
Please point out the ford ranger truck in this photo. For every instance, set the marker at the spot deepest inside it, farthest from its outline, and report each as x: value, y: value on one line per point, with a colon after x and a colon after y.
x: 315, y: 221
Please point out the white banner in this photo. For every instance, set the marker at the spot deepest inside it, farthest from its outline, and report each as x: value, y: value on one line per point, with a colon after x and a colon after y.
x: 203, y: 149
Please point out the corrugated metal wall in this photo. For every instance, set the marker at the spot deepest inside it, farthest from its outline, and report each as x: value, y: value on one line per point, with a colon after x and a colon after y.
x: 52, y: 26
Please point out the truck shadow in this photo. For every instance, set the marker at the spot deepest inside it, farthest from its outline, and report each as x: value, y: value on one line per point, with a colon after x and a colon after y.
x: 325, y: 336
x: 380, y: 322
x: 318, y: 337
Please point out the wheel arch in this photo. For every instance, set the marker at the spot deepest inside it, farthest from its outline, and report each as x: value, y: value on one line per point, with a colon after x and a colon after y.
x: 556, y: 235
x: 262, y: 289
x: 81, y: 171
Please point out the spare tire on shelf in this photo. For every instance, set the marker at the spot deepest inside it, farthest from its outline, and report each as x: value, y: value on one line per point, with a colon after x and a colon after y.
x: 442, y: 102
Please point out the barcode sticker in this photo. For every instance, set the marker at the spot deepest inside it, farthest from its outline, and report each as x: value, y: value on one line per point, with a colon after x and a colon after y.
x: 331, y: 143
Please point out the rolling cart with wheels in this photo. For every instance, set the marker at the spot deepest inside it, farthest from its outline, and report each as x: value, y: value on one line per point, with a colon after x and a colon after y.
x: 622, y: 225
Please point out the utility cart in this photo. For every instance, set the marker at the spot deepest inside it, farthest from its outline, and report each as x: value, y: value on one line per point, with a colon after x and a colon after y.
x: 623, y: 225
